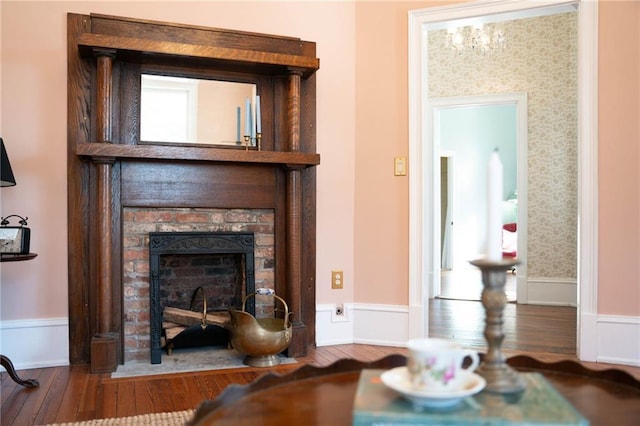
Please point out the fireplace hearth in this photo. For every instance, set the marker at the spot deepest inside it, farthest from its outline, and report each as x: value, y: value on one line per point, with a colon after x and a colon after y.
x: 220, y: 263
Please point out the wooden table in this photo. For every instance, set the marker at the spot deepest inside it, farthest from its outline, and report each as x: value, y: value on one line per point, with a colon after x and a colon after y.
x: 324, y: 395
x: 5, y: 361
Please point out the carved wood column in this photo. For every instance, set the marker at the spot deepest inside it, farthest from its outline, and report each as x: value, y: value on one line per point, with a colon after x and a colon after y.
x: 298, y: 346
x: 105, y: 345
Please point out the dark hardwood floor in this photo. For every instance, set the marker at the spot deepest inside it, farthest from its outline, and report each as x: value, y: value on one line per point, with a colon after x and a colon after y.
x: 68, y: 394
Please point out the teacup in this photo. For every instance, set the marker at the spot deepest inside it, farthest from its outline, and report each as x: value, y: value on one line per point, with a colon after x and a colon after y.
x: 436, y: 364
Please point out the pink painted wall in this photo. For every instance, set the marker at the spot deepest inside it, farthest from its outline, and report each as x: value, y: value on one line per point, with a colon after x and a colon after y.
x: 34, y: 103
x: 362, y: 125
x: 381, y: 134
x: 619, y: 160
x: 382, y: 199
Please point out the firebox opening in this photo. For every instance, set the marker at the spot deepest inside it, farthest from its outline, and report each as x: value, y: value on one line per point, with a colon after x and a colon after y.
x: 221, y: 277
x: 188, y: 271
x: 194, y: 287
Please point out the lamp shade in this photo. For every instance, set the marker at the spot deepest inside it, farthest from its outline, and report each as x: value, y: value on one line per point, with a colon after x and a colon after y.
x: 6, y: 173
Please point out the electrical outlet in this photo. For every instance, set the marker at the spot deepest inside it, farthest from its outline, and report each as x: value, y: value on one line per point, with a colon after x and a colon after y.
x: 337, y: 279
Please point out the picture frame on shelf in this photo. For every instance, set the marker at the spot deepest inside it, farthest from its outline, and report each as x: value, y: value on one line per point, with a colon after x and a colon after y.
x: 14, y: 239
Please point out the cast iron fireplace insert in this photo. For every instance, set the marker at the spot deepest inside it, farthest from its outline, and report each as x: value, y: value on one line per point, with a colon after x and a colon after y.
x: 193, y: 243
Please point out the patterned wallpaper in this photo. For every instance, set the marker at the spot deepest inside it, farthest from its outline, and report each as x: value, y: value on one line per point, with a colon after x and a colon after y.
x: 541, y: 60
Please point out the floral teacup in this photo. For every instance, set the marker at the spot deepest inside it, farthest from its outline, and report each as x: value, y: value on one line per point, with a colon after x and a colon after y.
x: 436, y: 364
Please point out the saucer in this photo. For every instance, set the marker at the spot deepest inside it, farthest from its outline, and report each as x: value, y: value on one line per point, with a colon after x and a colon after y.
x: 398, y: 380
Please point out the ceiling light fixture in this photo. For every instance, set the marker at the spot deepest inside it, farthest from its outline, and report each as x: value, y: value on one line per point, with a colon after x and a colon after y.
x: 481, y: 39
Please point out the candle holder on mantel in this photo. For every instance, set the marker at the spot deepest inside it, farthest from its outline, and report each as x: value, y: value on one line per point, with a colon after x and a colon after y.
x: 248, y: 141
x: 500, y: 377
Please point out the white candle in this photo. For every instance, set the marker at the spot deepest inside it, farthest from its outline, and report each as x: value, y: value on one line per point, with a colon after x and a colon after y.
x: 247, y: 119
x: 258, y: 115
x: 494, y: 208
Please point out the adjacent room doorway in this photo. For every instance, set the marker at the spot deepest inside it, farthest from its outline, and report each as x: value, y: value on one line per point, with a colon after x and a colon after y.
x: 422, y: 241
x: 465, y: 132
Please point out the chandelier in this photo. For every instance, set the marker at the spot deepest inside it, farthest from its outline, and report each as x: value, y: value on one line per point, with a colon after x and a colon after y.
x: 482, y: 39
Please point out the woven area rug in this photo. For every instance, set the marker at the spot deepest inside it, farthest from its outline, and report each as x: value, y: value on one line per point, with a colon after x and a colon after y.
x: 186, y: 360
x: 170, y: 419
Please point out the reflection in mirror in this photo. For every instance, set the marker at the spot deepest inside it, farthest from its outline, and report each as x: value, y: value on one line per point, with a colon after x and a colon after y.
x: 187, y: 110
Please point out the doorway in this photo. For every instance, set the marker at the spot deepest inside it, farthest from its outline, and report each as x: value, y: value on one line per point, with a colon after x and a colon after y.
x: 421, y: 236
x: 466, y: 131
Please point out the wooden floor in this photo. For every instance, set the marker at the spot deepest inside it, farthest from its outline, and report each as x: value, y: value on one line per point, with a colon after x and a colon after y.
x: 69, y: 394
x: 466, y: 284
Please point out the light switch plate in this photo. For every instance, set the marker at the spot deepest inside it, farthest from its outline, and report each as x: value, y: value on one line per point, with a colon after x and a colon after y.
x: 400, y: 166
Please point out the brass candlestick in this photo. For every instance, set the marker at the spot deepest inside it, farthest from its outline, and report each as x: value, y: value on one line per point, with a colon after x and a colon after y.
x: 500, y: 377
x: 249, y: 141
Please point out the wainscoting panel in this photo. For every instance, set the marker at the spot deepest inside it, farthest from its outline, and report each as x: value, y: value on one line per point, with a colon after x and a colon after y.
x: 558, y: 292
x: 35, y: 343
x: 383, y: 325
x: 43, y: 342
x: 619, y: 339
x: 332, y: 329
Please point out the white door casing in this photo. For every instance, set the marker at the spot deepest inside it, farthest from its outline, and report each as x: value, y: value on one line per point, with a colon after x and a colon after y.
x: 422, y: 241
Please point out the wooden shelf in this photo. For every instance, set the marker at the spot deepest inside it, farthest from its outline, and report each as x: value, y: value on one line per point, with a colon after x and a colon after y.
x: 137, y: 50
x: 15, y: 257
x: 159, y: 152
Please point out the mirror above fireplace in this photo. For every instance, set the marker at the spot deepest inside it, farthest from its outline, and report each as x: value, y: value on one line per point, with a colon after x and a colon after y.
x: 182, y: 110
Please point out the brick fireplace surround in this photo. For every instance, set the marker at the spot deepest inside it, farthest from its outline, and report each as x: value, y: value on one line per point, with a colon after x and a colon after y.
x: 139, y: 222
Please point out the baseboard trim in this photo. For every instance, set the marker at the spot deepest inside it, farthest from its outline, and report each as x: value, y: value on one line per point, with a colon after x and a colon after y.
x: 552, y: 291
x: 44, y: 342
x: 362, y: 323
x: 618, y: 340
x: 36, y: 343
x: 384, y: 325
x: 333, y: 329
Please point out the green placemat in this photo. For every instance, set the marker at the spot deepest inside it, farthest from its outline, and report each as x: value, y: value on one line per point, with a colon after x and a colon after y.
x: 540, y: 403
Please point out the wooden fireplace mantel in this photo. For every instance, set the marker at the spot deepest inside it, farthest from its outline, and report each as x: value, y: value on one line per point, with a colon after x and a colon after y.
x: 157, y: 152
x: 141, y: 49
x: 109, y: 168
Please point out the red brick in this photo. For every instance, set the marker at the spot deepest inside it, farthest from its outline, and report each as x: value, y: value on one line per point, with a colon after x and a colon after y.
x: 153, y: 216
x: 264, y: 240
x: 142, y: 267
x: 240, y: 217
x: 136, y: 254
x: 192, y: 218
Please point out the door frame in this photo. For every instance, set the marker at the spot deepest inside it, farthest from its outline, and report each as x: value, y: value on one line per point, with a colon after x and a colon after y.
x: 449, y: 157
x: 434, y: 106
x: 420, y: 209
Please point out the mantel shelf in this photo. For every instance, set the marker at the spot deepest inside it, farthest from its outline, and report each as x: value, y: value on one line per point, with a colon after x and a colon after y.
x: 159, y: 152
x: 136, y: 49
